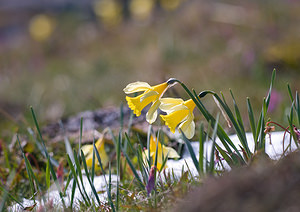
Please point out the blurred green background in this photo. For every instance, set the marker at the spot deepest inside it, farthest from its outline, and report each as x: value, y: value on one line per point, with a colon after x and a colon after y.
x: 63, y: 57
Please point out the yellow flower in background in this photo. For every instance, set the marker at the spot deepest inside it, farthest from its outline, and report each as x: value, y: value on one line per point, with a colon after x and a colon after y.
x: 151, y: 94
x: 141, y: 9
x: 170, y: 4
x: 109, y: 12
x: 180, y: 113
x: 41, y: 27
x: 88, y: 153
x: 162, y: 150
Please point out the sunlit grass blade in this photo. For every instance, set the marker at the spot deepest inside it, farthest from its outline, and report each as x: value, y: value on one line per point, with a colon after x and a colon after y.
x: 239, y: 131
x: 191, y: 150
x: 83, y: 195
x: 73, y: 193
x: 118, y: 152
x: 270, y: 89
x: 41, y: 148
x: 68, y: 182
x: 48, y: 174
x: 79, y: 173
x: 224, y: 138
x: 140, y: 183
x: 80, y: 136
x: 93, y: 163
x: 142, y: 166
x: 53, y: 174
x: 109, y: 185
x: 212, y: 154
x: 251, y: 117
x: 148, y: 144
x: 291, y: 127
x: 27, y: 166
x: 89, y: 179
x: 201, y: 148
x: 297, y: 104
x: 290, y: 92
x: 108, y: 191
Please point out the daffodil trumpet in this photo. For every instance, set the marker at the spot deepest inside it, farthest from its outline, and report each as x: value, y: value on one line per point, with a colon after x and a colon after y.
x: 179, y: 114
x: 151, y: 94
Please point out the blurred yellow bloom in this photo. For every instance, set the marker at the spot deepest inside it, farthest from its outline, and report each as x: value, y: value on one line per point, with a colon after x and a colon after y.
x: 151, y: 94
x: 162, y: 150
x: 141, y: 9
x: 88, y: 152
x: 41, y: 27
x: 170, y: 4
x: 109, y: 12
x: 180, y: 113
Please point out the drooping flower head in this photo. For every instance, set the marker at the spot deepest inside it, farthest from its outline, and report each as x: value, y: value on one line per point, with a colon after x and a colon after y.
x: 179, y: 113
x: 151, y: 94
x: 162, y: 152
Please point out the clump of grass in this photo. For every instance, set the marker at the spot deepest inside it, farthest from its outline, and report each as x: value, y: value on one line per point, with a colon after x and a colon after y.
x: 141, y: 185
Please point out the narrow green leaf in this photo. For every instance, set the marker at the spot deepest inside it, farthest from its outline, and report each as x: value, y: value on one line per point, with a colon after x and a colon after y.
x: 79, y: 173
x: 270, y: 89
x: 107, y: 185
x: 298, y: 106
x: 133, y: 170
x: 251, y: 117
x: 53, y: 174
x: 290, y: 93
x: 6, y: 194
x: 83, y: 195
x: 191, y: 150
x: 48, y: 174
x: 93, y: 162
x: 89, y: 179
x: 212, y: 154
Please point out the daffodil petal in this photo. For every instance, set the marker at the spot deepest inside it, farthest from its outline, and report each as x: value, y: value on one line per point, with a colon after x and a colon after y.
x: 168, y: 104
x: 170, y: 152
x: 188, y: 128
x: 170, y: 109
x: 136, y: 87
x: 152, y: 113
x: 86, y: 149
x: 148, y: 94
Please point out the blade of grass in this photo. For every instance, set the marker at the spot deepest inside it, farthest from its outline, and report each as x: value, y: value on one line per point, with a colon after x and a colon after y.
x: 133, y: 170
x: 89, y: 179
x: 48, y: 157
x: 251, y: 117
x: 79, y: 173
x: 48, y: 174
x: 83, y: 195
x: 118, y: 152
x: 108, y: 191
x: 6, y: 194
x: 191, y: 150
x: 212, y: 155
x: 109, y: 185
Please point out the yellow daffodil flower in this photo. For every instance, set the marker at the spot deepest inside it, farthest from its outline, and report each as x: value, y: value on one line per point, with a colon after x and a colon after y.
x: 88, y: 152
x: 161, y: 151
x: 180, y: 113
x: 41, y: 27
x: 141, y: 9
x: 151, y: 94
